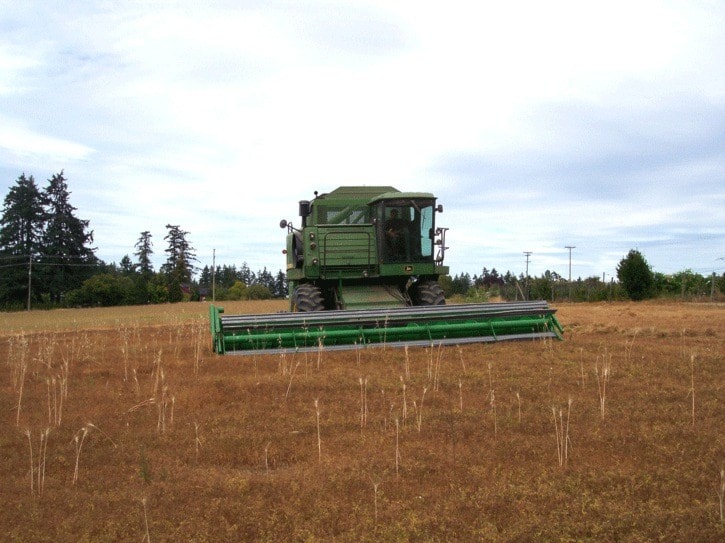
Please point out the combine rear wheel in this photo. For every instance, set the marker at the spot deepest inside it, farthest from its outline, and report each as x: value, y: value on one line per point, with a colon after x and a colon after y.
x: 307, y: 297
x: 428, y: 293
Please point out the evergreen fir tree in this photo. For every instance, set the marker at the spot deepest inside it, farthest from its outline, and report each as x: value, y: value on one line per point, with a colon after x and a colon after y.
x: 144, y: 250
x: 127, y: 267
x: 67, y: 259
x: 178, y: 267
x: 21, y: 232
x: 636, y: 276
x: 280, y: 288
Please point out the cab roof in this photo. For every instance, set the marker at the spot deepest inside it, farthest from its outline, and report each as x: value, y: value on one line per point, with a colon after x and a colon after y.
x: 371, y: 194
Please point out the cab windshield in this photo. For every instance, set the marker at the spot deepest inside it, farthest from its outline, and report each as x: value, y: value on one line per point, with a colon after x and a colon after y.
x: 407, y: 232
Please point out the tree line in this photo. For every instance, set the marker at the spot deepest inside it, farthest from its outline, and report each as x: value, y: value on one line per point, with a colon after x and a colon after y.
x: 45, y: 250
x: 635, y: 280
x: 47, y: 260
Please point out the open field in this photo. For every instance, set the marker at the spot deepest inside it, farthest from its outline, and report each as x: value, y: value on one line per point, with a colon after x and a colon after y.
x: 120, y: 425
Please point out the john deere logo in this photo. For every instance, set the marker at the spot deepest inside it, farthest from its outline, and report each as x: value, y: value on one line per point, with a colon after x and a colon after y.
x: 409, y: 269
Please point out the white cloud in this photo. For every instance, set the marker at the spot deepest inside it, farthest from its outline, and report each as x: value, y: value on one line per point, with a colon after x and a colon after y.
x: 18, y: 144
x: 534, y: 123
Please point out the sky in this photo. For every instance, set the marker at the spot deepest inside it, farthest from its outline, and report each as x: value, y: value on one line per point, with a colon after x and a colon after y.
x: 538, y: 125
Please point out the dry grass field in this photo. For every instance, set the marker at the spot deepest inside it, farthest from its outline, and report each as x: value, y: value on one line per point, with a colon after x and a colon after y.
x: 120, y: 425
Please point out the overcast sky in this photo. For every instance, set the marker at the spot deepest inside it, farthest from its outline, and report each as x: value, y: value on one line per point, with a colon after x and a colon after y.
x: 599, y: 125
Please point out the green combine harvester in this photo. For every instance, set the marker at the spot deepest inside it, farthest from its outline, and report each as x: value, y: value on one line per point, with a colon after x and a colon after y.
x: 363, y: 271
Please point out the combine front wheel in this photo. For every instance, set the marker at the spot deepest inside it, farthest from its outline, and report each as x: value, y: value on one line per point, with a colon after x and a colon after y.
x: 428, y: 293
x: 307, y: 297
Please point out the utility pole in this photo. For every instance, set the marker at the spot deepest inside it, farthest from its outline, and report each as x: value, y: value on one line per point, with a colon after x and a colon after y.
x: 712, y: 287
x: 570, y: 247
x: 528, y: 254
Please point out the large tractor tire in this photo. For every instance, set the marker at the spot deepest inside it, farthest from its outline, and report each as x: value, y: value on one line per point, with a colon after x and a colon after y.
x: 428, y: 293
x: 307, y: 297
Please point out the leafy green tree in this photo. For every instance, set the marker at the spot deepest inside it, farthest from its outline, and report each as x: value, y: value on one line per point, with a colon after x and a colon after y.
x: 636, y: 276
x: 103, y: 289
x: 446, y: 283
x: 67, y: 258
x: 21, y: 237
x: 158, y: 292
x: 238, y: 291
x: 259, y: 292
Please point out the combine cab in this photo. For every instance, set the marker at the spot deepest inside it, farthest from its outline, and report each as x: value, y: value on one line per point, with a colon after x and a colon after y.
x: 363, y: 270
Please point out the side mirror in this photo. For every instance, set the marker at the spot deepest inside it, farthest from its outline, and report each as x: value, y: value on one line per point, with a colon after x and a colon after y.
x: 283, y: 223
x: 439, y: 209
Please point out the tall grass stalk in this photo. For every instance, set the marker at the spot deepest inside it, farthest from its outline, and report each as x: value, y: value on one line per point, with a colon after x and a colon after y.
x: 493, y: 413
x: 397, y: 448
x: 22, y: 370
x: 266, y: 457
x: 460, y: 394
x: 104, y: 434
x: 197, y: 442
x: 46, y: 349
x: 13, y: 356
x: 63, y: 383
x: 319, y: 436
x: 375, y: 500
x: 198, y: 348
x: 692, y: 386
x: 55, y: 394
x: 721, y: 493
x: 146, y: 538
x: 32, y: 464
x: 460, y: 357
x: 436, y: 375
x: 54, y: 403
x: 291, y: 376
x: 430, y: 361
x: 518, y: 400
x: 603, y: 379
x: 162, y: 403
x: 283, y: 363
x: 78, y: 441
x: 137, y: 386
x: 157, y: 373
x: 420, y: 411
x: 405, y: 400
x: 407, y: 363
x: 363, y: 402
x: 561, y: 429
x: 628, y: 345
x: 320, y: 347
x: 42, y: 454
x: 124, y: 351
